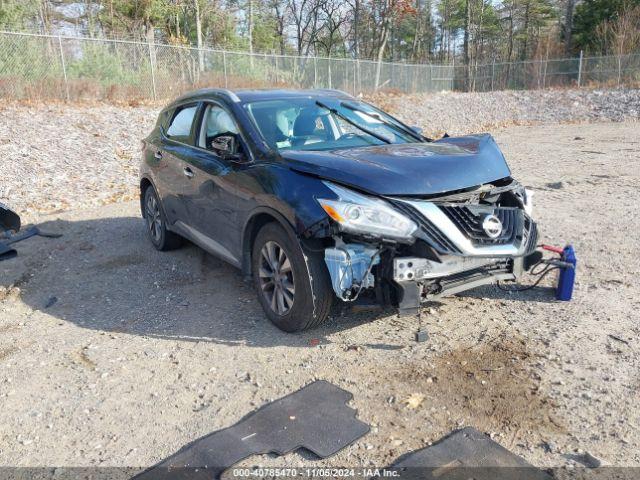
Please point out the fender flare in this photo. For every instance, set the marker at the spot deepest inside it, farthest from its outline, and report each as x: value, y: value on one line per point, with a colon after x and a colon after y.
x: 250, y: 229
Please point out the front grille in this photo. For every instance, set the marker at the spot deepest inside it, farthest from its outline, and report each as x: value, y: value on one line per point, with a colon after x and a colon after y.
x: 427, y: 230
x: 469, y: 220
x: 531, y: 234
x: 518, y: 229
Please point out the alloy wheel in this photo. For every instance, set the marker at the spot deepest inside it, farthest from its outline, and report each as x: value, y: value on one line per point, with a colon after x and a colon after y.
x: 154, y: 221
x: 276, y: 278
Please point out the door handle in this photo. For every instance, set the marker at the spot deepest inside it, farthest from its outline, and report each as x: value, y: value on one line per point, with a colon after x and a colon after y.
x: 158, y: 155
x: 188, y: 172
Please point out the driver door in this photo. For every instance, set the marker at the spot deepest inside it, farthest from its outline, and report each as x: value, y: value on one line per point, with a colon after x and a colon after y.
x: 212, y: 206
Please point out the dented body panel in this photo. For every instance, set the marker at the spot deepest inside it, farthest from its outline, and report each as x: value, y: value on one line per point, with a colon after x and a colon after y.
x: 415, y: 169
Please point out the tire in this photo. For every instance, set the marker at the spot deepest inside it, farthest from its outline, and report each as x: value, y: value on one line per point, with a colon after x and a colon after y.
x: 308, y: 305
x: 156, y: 223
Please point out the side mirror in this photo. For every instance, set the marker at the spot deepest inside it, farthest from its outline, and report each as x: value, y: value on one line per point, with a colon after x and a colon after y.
x: 227, y: 146
x: 416, y: 129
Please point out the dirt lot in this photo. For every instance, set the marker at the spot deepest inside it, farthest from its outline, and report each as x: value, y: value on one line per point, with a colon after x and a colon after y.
x: 114, y: 354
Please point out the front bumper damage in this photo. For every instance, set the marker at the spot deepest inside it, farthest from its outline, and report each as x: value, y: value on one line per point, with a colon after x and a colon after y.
x: 452, y: 252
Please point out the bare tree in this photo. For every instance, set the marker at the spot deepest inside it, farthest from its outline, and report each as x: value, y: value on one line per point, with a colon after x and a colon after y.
x: 335, y: 25
x: 196, y: 4
x: 568, y: 26
x: 305, y: 15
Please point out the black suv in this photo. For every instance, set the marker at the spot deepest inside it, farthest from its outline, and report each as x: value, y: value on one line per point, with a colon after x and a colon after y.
x: 322, y: 198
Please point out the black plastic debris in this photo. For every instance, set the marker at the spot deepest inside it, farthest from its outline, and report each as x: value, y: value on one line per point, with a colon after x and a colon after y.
x: 9, y: 220
x: 466, y: 454
x: 10, y: 232
x: 315, y: 418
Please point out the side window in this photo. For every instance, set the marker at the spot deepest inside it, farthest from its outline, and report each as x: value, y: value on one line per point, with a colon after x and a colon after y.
x: 216, y: 121
x: 180, y: 127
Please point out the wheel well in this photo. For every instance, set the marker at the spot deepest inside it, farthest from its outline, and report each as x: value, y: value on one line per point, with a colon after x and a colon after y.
x: 144, y: 184
x: 250, y: 232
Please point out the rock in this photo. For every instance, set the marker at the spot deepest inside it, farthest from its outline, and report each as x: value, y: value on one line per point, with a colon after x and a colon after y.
x: 414, y: 400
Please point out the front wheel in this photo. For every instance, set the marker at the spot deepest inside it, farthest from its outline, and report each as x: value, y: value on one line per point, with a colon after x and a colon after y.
x: 293, y: 285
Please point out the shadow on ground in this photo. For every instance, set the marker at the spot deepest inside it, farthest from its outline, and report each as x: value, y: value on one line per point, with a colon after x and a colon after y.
x: 103, y: 274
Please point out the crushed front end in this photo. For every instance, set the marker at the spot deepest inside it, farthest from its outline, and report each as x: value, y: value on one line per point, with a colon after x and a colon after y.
x: 418, y: 249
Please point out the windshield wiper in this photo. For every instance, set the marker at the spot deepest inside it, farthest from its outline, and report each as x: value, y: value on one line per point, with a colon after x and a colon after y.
x: 351, y: 122
x: 378, y: 117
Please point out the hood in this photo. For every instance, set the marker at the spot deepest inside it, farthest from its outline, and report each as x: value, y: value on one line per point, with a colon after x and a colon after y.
x: 451, y: 163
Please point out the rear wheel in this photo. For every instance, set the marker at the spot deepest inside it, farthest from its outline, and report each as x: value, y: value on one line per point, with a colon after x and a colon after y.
x: 292, y: 284
x: 156, y: 223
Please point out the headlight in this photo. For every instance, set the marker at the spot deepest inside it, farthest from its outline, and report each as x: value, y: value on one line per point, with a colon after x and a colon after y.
x: 358, y: 213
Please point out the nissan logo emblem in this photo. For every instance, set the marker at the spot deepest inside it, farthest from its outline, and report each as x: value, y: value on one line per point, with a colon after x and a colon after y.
x: 492, y: 226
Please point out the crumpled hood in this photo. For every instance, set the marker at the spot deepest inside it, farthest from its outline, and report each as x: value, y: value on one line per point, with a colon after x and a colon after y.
x: 447, y: 164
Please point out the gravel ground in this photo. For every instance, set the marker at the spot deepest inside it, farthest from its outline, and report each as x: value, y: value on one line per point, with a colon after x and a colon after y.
x: 86, y: 155
x: 458, y: 113
x: 114, y: 354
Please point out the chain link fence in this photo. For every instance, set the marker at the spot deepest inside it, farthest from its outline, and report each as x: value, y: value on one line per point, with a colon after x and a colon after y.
x: 34, y: 66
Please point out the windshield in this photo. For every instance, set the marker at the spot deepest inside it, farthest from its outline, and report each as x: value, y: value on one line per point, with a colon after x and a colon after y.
x: 307, y: 124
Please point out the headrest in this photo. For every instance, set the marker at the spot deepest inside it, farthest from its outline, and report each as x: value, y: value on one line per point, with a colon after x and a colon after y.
x: 305, y: 123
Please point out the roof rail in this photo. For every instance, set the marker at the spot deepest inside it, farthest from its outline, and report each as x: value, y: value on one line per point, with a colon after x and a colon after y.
x: 204, y: 91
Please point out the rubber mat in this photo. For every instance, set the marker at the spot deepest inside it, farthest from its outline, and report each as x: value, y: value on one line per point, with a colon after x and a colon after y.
x: 465, y: 454
x: 315, y: 417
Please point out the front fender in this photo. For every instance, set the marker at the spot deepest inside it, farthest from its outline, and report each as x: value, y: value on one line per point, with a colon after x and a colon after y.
x: 288, y: 197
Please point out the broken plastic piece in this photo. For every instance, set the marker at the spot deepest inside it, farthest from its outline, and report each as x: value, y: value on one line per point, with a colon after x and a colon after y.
x: 422, y: 336
x: 350, y: 269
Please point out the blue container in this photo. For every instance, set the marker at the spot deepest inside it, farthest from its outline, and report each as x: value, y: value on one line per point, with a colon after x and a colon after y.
x: 567, y: 276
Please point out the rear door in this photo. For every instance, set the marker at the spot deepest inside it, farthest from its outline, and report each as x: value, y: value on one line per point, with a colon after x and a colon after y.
x: 173, y: 171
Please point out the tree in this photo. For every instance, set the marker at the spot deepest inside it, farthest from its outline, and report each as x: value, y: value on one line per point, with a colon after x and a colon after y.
x: 138, y: 18
x: 334, y: 26
x: 385, y: 13
x: 568, y: 26
x: 590, y: 14
x: 23, y: 14
x: 621, y: 34
x: 305, y: 15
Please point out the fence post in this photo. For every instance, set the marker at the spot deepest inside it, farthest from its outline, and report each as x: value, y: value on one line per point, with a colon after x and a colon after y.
x: 153, y: 73
x: 64, y: 68
x: 224, y: 68
x: 275, y: 57
x: 315, y: 72
x: 619, y: 70
x: 580, y: 70
x: 432, y: 84
x: 355, y: 73
x: 493, y: 73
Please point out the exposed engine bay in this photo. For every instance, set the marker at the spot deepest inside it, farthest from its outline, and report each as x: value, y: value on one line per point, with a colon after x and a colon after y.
x: 463, y: 239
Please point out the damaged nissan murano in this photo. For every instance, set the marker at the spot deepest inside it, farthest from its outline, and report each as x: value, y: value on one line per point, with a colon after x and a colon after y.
x: 321, y: 198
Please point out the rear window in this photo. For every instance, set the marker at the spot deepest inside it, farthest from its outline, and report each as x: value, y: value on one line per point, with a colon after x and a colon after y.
x: 180, y: 126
